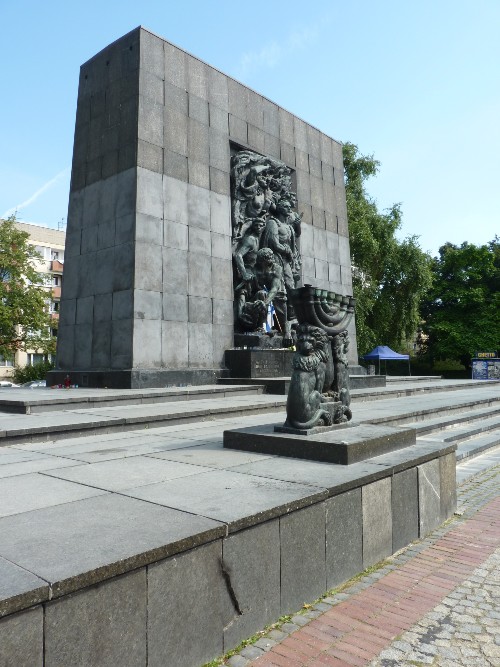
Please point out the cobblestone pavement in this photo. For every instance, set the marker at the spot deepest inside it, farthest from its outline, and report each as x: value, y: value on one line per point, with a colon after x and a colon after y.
x: 436, y: 603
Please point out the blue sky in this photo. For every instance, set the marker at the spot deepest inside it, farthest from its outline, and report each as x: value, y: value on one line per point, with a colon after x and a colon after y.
x: 415, y: 83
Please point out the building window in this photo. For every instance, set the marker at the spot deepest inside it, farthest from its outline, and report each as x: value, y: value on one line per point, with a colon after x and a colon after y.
x: 54, y: 307
x: 36, y: 358
x: 56, y: 281
x: 55, y: 255
x: 6, y: 362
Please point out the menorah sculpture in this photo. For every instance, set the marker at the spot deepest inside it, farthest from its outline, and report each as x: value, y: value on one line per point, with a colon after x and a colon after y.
x: 319, y: 387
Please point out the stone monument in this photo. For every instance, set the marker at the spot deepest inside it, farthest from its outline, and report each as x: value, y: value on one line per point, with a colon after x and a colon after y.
x: 149, y: 296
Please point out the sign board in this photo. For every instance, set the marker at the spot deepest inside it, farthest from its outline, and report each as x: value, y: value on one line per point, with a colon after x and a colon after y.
x: 486, y: 369
x: 486, y: 355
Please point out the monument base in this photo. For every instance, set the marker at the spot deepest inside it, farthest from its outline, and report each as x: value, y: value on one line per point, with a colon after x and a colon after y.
x: 259, y: 362
x: 137, y: 378
x: 342, y: 445
x: 314, y: 430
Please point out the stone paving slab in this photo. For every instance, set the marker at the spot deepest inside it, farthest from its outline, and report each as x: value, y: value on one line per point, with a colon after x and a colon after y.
x: 127, y: 473
x: 79, y: 543
x: 239, y: 500
x: 436, y: 602
x: 19, y: 588
x: 24, y: 493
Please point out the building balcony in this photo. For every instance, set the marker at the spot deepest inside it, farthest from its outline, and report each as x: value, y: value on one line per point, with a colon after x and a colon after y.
x: 54, y: 317
x: 56, y: 292
x: 56, y: 266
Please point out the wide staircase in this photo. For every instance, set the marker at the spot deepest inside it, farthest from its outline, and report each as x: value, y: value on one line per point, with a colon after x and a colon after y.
x: 462, y: 412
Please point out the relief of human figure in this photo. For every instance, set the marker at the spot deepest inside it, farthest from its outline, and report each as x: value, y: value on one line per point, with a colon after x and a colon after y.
x: 250, y: 311
x: 263, y: 217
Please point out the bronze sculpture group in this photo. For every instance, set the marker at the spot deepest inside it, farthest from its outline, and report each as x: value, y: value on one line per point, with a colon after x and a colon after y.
x: 267, y: 270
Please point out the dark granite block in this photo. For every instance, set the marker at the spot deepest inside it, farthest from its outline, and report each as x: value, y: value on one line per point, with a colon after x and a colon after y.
x: 344, y: 537
x: 197, y: 77
x: 200, y: 345
x: 326, y: 149
x: 303, y: 567
x: 256, y: 139
x: 175, y: 66
x: 149, y: 156
x: 200, y: 309
x: 199, y: 174
x: 175, y: 165
x: 83, y: 345
x: 272, y: 146
x: 176, y: 98
x: 217, y: 89
x: 429, y: 495
x: 198, y: 141
x: 300, y: 134
x: 175, y: 271
x: 315, y: 167
x: 286, y: 127
x: 189, y: 605
x: 219, y: 150
x: 251, y: 565
x: 200, y: 282
x: 301, y: 160
x: 404, y: 508
x: 175, y: 235
x: 314, y: 142
x: 101, y: 344
x: 219, y: 119
x: 447, y: 472
x: 151, y: 86
x: 238, y: 129
x: 175, y: 307
x: 103, y: 625
x: 175, y: 131
x: 198, y: 109
x: 151, y: 53
x: 237, y: 99
x: 21, y: 639
x: 377, y: 521
x: 271, y: 118
x: 199, y: 239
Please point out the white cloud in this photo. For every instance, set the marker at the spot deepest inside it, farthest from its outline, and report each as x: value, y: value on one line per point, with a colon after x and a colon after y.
x: 46, y: 186
x: 270, y: 54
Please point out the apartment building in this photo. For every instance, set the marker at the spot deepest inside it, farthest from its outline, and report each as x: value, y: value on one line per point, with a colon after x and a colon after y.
x: 49, y: 243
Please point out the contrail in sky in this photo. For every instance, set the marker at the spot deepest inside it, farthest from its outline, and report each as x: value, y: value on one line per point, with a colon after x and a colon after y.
x: 36, y: 194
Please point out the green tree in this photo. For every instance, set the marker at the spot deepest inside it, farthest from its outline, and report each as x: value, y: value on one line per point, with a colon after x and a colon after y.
x: 390, y: 277
x: 24, y: 317
x: 462, y: 311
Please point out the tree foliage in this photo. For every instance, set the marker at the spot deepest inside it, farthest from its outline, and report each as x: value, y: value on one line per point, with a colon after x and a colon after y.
x: 390, y: 277
x: 24, y: 317
x: 462, y: 311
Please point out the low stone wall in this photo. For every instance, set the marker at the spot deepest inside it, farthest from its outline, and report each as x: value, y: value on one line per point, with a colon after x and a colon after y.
x: 187, y: 609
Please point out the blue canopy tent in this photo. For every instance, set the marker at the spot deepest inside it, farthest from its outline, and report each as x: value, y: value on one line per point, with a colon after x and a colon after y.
x: 386, y: 354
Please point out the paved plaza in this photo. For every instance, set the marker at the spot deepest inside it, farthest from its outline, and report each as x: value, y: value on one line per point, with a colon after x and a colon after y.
x: 436, y: 603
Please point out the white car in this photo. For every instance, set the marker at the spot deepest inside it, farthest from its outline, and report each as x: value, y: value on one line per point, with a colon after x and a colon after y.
x: 5, y: 383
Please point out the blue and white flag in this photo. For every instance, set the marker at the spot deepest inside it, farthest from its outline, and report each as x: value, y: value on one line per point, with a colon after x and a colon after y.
x: 270, y: 317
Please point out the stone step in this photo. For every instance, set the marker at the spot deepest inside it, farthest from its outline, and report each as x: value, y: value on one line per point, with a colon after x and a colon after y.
x: 72, y: 423
x: 34, y: 401
x: 452, y: 425
x: 478, y: 445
